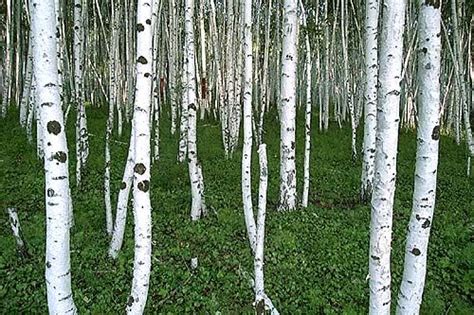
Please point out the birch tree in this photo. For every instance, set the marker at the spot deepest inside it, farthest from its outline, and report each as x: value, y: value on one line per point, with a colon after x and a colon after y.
x: 247, y: 126
x: 307, y: 126
x: 57, y: 260
x: 391, y: 54
x: 82, y: 145
x: 288, y: 107
x: 370, y: 106
x: 142, y: 152
x: 198, y: 207
x: 7, y: 62
x: 424, y: 195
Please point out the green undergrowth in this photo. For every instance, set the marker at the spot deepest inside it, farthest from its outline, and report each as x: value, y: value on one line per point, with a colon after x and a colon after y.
x: 316, y: 260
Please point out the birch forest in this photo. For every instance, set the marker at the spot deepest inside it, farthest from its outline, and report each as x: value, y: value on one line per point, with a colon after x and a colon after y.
x: 236, y: 157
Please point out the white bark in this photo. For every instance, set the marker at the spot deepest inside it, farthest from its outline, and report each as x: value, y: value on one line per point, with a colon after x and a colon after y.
x: 391, y: 58
x: 31, y: 109
x: 197, y: 190
x: 173, y: 63
x: 25, y: 98
x: 82, y: 146
x: 122, y: 202
x: 370, y: 106
x: 424, y: 195
x: 288, y: 108
x: 247, y: 147
x: 7, y: 62
x: 113, y: 55
x: 58, y: 272
x: 260, y: 233
x: 141, y: 180
x: 17, y: 233
x: 307, y: 141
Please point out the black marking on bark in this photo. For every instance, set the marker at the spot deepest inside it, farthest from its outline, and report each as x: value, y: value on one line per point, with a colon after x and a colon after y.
x: 148, y: 21
x: 375, y: 257
x: 147, y: 75
x: 428, y: 66
x: 66, y: 297
x: 415, y: 251
x: 192, y: 106
x: 435, y: 133
x: 140, y: 27
x: 394, y: 92
x: 50, y: 84
x: 123, y: 185
x: 78, y: 5
x: 50, y: 192
x: 424, y: 50
x: 434, y: 3
x: 144, y: 185
x: 60, y: 156
x: 48, y: 264
x: 293, y: 145
x: 426, y: 224
x: 130, y: 300
x: 142, y: 60
x: 53, y: 127
x: 139, y: 168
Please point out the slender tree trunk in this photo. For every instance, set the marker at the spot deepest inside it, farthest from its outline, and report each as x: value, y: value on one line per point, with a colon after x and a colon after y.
x: 82, y: 146
x: 424, y: 195
x: 198, y: 207
x: 288, y: 107
x: 247, y: 125
x: 58, y: 272
x: 17, y: 232
x: 391, y: 58
x: 122, y: 201
x: 31, y: 108
x: 260, y: 296
x: 173, y: 25
x: 8, y: 63
x: 26, y: 87
x: 141, y: 177
x: 307, y: 126
x: 370, y: 106
x: 113, y: 53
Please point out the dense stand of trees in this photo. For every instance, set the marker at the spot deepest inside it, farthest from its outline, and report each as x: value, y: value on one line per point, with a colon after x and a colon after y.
x: 377, y: 66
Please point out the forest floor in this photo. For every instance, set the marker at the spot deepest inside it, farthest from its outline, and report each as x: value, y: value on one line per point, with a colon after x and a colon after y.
x: 316, y: 260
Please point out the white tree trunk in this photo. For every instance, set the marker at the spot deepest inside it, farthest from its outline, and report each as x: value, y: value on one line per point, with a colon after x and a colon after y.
x: 141, y: 180
x: 17, y: 233
x: 26, y: 87
x: 58, y: 272
x: 288, y: 108
x: 173, y: 63
x: 198, y: 207
x: 7, y: 62
x: 307, y: 126
x: 82, y: 146
x: 370, y: 107
x: 424, y: 195
x: 260, y: 233
x: 391, y: 58
x: 247, y: 146
x: 122, y: 201
x: 31, y: 108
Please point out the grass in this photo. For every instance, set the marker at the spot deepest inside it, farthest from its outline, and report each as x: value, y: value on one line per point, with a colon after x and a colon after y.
x: 316, y: 259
